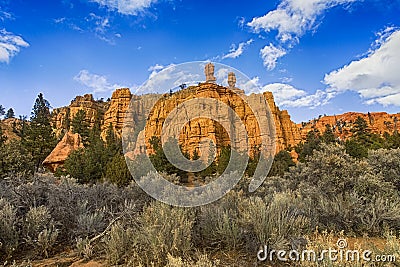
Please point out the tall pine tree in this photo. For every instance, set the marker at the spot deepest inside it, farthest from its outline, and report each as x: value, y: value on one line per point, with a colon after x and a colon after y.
x: 39, y: 139
x: 81, y: 126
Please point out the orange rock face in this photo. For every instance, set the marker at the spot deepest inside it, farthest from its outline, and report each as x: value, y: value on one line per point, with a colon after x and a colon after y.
x: 7, y: 126
x: 378, y: 122
x: 61, y: 117
x: 64, y: 148
x: 287, y: 132
x: 115, y: 114
x: 194, y: 131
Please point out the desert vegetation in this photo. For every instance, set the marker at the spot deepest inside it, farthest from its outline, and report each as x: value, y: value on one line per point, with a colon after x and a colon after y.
x: 331, y: 193
x: 93, y: 207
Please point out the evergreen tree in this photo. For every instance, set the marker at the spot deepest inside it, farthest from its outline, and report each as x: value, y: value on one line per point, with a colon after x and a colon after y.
x: 67, y: 121
x: 212, y: 166
x: 88, y: 164
x: 362, y: 140
x: 328, y: 137
x: 2, y: 112
x: 356, y: 149
x: 281, y: 164
x: 14, y: 159
x: 38, y: 136
x: 313, y: 142
x: 80, y: 126
x: 10, y: 114
x: 223, y: 159
x: 20, y: 127
x: 3, y: 138
x: 160, y: 161
x: 392, y: 141
x: 360, y: 127
x: 113, y: 143
x: 253, y: 162
x: 117, y: 171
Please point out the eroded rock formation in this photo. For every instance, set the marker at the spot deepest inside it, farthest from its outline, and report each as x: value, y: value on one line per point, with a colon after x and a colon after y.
x: 69, y: 143
x: 378, y: 122
x: 192, y: 134
x: 8, y: 126
x: 115, y: 114
x: 94, y: 110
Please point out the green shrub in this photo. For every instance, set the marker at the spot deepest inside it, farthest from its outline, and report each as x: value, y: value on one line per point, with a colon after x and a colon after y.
x: 274, y: 222
x: 118, y: 244
x: 117, y: 171
x: 165, y: 229
x: 8, y: 228
x: 387, y: 164
x: 202, y: 261
x: 46, y: 240
x: 36, y: 220
x: 218, y: 225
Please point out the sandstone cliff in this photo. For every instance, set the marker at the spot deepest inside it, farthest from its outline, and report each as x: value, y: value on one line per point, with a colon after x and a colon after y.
x: 114, y: 116
x: 8, y: 126
x: 120, y: 102
x: 192, y: 134
x: 287, y: 132
x: 62, y: 117
x: 113, y: 113
x: 378, y: 122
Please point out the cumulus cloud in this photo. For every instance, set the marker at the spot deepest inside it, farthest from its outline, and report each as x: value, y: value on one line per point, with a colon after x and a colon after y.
x: 283, y: 92
x: 289, y: 96
x: 10, y: 45
x: 236, y: 52
x: 154, y: 70
x: 170, y: 77
x: 293, y: 18
x: 270, y: 55
x: 126, y: 7
x: 98, y: 83
x: 374, y: 77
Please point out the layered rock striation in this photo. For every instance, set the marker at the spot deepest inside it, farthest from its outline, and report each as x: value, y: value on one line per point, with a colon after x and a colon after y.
x: 195, y: 131
x: 377, y: 122
x: 94, y: 110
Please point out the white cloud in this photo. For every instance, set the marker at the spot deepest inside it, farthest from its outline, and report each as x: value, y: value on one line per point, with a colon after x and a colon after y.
x: 10, y: 45
x: 101, y: 23
x: 376, y: 76
x: 270, y: 54
x: 235, y: 52
x: 5, y: 15
x: 222, y: 76
x: 293, y: 18
x: 59, y: 20
x: 319, y: 98
x: 154, y: 70
x: 283, y: 92
x: 126, y: 7
x: 288, y: 96
x: 98, y: 83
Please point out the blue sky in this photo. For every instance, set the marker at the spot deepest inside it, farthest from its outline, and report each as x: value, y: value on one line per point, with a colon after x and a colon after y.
x: 317, y: 56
